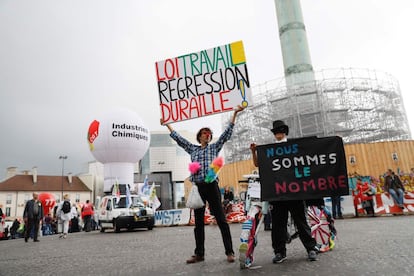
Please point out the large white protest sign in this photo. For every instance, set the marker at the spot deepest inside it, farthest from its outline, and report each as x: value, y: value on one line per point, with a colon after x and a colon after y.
x: 203, y: 83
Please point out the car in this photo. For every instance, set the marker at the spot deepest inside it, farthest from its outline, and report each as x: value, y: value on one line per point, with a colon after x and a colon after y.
x: 122, y: 212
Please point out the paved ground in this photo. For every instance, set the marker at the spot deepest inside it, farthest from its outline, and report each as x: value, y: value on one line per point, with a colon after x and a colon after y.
x: 365, y: 246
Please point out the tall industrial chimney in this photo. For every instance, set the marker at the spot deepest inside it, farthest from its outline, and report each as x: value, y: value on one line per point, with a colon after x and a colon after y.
x: 294, y: 43
x: 306, y: 115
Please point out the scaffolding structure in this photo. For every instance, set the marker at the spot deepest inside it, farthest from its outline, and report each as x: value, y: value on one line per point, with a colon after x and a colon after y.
x: 359, y: 105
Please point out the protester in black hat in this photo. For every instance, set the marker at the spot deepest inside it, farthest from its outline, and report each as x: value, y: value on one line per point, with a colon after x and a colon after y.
x: 280, y: 127
x: 281, y: 209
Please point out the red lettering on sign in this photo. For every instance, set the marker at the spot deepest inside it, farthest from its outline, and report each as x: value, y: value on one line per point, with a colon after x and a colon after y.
x: 321, y: 184
x: 310, y: 185
x: 169, y: 69
x: 341, y: 181
x: 202, y: 105
x: 280, y: 188
x: 294, y: 187
x: 331, y: 182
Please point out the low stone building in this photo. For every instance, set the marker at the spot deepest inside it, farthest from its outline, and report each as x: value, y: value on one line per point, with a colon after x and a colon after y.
x: 18, y: 188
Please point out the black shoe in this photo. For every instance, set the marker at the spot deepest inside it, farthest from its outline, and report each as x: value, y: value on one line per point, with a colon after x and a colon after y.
x: 25, y: 239
x: 295, y: 235
x: 36, y: 240
x: 278, y: 258
x: 312, y: 255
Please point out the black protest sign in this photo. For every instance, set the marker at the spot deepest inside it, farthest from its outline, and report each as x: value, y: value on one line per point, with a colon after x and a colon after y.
x: 304, y: 168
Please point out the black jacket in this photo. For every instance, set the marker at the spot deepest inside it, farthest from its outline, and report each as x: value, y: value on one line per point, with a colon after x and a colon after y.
x: 392, y: 182
x: 28, y: 210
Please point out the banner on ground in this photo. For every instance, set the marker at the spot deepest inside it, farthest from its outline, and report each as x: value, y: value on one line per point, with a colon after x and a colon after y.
x: 304, y: 168
x: 203, y: 83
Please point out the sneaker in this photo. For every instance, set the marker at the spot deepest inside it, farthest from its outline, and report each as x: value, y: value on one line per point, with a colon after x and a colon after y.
x: 312, y: 255
x: 242, y: 254
x: 278, y: 258
x: 195, y: 259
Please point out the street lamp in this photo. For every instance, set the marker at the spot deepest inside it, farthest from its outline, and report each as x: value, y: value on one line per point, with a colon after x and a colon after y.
x: 63, y: 157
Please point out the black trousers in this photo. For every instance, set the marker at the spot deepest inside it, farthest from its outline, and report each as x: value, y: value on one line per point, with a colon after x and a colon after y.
x: 32, y: 223
x: 210, y: 192
x: 280, y: 214
x: 87, y: 221
x: 336, y: 206
x: 368, y: 205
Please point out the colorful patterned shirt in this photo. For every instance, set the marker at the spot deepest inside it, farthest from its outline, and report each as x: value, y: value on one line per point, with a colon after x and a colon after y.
x: 205, y: 155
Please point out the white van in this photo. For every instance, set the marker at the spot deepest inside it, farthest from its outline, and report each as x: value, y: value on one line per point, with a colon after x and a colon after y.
x: 113, y: 213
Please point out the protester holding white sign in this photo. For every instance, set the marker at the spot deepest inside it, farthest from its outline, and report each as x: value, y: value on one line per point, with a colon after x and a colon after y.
x: 205, y: 154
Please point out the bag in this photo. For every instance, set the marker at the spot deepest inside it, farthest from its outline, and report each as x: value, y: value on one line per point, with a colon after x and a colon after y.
x: 66, y: 207
x: 20, y: 230
x: 194, y: 200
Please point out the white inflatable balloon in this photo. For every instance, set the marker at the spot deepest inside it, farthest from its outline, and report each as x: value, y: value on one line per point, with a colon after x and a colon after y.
x: 118, y: 139
x: 118, y: 136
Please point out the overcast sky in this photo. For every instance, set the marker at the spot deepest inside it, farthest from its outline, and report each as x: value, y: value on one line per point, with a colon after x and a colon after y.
x: 62, y: 63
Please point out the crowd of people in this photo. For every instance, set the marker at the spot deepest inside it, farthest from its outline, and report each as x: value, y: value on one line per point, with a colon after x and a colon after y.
x: 35, y: 223
x: 366, y: 189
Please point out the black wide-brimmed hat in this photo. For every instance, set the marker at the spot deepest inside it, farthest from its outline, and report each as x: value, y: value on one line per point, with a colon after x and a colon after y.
x: 280, y: 127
